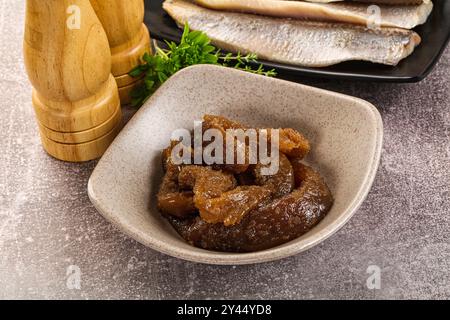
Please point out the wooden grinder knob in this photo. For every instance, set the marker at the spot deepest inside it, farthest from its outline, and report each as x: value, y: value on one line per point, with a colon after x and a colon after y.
x: 68, y: 61
x: 128, y: 37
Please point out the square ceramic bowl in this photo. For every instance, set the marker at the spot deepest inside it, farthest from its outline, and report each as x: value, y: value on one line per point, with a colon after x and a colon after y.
x: 345, y: 133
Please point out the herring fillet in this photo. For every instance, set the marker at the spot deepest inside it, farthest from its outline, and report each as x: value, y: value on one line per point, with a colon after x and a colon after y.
x: 398, y: 16
x: 408, y: 2
x: 304, y: 43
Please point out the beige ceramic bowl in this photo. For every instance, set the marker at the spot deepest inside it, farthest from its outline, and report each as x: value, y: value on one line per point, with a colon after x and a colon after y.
x: 345, y: 133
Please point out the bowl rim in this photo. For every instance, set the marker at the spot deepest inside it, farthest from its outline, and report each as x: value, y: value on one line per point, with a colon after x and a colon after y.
x: 272, y: 254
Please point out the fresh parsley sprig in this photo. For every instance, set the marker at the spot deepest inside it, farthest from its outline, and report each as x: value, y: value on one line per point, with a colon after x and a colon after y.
x: 241, y: 62
x: 194, y: 48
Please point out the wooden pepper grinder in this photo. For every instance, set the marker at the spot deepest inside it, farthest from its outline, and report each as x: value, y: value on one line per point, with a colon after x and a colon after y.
x: 128, y: 37
x: 68, y: 61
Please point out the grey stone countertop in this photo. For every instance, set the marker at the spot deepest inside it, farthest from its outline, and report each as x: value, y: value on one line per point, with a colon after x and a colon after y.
x: 48, y: 226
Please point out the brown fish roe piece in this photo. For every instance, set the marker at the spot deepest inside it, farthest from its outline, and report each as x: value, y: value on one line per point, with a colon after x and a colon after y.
x: 217, y: 197
x: 178, y: 204
x: 220, y: 123
x: 223, y: 124
x: 205, y: 182
x: 210, y: 210
x: 292, y: 143
x: 171, y: 199
x: 233, y: 205
x: 280, y: 183
x: 275, y: 223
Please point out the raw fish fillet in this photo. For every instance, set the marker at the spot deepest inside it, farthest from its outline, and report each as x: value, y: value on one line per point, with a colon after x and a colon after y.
x: 399, y: 16
x: 305, y: 43
x: 407, y: 2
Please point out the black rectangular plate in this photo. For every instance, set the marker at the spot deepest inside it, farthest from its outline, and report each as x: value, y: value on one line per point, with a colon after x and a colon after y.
x: 435, y: 36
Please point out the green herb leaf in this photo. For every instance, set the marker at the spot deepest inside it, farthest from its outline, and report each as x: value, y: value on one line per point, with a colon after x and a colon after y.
x: 194, y: 48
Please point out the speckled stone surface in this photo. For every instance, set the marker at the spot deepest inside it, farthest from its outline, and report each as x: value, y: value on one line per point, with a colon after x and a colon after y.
x: 48, y: 224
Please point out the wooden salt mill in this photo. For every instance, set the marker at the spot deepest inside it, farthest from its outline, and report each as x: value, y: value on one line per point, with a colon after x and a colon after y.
x: 68, y: 61
x: 128, y: 37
